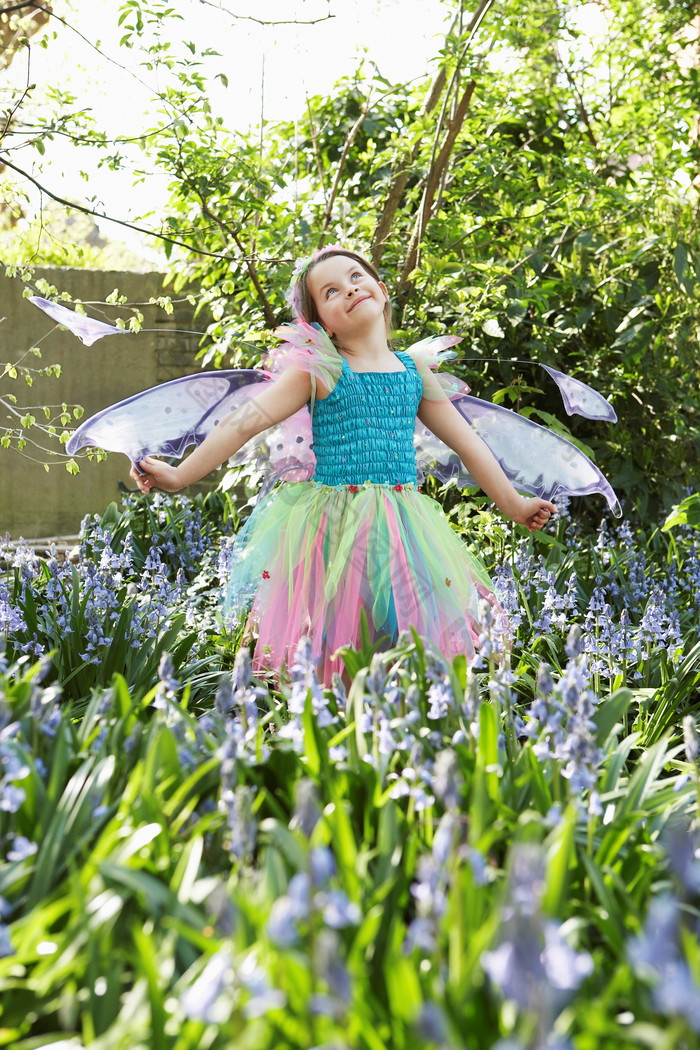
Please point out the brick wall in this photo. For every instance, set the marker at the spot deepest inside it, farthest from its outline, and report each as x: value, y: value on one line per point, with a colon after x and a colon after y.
x: 34, y: 503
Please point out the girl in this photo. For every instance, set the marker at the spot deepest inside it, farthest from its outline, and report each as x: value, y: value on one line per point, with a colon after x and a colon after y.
x: 357, y: 537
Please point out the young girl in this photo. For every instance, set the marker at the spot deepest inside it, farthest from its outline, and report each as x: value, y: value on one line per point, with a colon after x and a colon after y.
x: 359, y: 536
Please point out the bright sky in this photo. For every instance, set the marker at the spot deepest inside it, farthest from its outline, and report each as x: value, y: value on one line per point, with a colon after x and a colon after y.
x: 400, y: 36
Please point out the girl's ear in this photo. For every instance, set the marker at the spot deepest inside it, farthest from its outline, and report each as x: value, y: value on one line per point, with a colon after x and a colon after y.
x: 384, y: 289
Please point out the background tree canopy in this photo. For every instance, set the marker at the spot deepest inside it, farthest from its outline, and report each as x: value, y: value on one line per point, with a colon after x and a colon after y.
x: 538, y: 194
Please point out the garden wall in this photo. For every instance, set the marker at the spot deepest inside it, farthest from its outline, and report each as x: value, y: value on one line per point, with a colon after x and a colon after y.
x: 34, y: 503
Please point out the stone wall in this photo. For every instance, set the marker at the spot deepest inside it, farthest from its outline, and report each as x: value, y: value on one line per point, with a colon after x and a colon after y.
x: 34, y: 503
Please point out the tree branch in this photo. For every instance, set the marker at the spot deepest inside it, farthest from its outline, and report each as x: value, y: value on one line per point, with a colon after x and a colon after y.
x: 33, y: 4
x: 262, y: 22
x: 350, y: 138
x: 270, y: 316
x: 109, y: 218
x: 439, y: 165
x: 437, y: 170
x: 395, y: 194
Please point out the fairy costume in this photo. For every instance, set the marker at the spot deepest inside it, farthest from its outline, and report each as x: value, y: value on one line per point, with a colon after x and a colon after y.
x: 358, y: 536
x: 347, y: 532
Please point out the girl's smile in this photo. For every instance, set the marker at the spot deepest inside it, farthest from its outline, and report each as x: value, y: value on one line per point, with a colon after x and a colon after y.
x: 339, y: 287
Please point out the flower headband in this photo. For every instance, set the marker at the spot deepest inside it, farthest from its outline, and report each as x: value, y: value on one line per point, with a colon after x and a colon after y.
x: 300, y: 267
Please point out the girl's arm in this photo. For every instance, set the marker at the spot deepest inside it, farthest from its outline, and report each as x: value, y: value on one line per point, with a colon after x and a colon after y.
x: 281, y: 399
x: 441, y: 416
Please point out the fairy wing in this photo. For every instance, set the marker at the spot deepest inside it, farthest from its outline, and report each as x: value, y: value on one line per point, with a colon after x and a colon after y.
x: 535, y: 459
x: 87, y: 329
x: 581, y: 399
x: 284, y: 451
x: 165, y: 420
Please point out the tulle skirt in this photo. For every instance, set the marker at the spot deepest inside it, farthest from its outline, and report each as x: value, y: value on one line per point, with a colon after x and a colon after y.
x: 312, y: 557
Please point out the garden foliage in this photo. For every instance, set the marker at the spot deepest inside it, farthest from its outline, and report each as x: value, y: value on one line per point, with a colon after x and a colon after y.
x: 538, y: 193
x: 498, y: 853
x: 424, y: 855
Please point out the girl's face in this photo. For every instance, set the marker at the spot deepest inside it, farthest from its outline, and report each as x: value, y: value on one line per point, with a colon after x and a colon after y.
x: 348, y: 299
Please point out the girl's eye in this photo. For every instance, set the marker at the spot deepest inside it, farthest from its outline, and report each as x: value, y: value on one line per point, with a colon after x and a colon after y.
x: 356, y: 274
x: 329, y: 290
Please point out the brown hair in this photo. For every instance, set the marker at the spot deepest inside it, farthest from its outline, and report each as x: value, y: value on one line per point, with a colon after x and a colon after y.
x: 307, y: 306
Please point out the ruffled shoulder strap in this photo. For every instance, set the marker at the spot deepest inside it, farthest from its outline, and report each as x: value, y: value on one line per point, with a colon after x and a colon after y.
x: 308, y: 347
x: 429, y: 354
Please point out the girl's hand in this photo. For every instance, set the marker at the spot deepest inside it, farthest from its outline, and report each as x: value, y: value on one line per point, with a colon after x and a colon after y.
x: 534, y: 513
x: 157, y: 475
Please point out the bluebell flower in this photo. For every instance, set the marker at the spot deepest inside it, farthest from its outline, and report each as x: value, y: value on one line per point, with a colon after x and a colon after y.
x: 375, y: 679
x: 328, y: 960
x: 561, y: 722
x: 307, y: 812
x: 21, y: 849
x: 595, y: 806
x: 6, y: 948
x: 472, y: 702
x: 574, y: 642
x: 420, y: 935
x: 691, y: 740
x: 386, y: 744
x: 533, y: 963
x: 263, y: 997
x: 11, y: 621
x: 447, y: 781
x: 289, y: 910
x: 304, y: 680
x: 293, y: 731
x: 242, y: 669
x: 11, y: 797
x: 564, y: 967
x: 656, y: 958
x: 515, y: 967
x: 681, y: 841
x: 482, y: 873
x: 204, y: 1000
x: 338, y: 910
x: 430, y: 889
x: 241, y: 823
x: 223, y: 700
x: 322, y: 865
x: 506, y: 590
x: 339, y: 691
x: 441, y: 698
x: 166, y: 674
x: 431, y: 1024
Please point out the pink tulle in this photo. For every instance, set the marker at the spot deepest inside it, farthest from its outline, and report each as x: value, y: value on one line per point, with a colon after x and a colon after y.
x: 319, y: 557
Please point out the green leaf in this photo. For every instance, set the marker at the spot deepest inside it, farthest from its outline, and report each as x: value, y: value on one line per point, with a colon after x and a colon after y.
x: 609, y: 712
x: 681, y: 268
x: 560, y: 859
x: 685, y: 513
x: 493, y: 328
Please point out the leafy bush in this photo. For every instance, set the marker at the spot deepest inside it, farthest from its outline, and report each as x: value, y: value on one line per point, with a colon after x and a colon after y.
x: 502, y: 847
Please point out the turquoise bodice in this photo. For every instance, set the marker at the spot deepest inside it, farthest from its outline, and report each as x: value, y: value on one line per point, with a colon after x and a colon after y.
x: 363, y: 430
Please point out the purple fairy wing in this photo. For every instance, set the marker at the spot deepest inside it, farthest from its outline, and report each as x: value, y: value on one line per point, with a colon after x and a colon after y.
x: 87, y: 329
x: 282, y: 452
x: 166, y: 419
x: 581, y: 399
x: 535, y: 460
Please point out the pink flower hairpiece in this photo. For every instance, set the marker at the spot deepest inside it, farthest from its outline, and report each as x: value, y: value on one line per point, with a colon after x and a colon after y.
x: 300, y: 267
